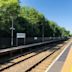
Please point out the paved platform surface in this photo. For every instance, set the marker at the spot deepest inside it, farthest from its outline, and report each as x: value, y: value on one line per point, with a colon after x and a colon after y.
x: 67, y: 67
x: 64, y: 62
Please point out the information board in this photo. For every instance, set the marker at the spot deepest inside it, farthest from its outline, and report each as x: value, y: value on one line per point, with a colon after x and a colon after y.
x: 21, y: 35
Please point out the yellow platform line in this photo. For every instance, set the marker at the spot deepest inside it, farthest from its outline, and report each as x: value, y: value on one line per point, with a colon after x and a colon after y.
x: 67, y: 67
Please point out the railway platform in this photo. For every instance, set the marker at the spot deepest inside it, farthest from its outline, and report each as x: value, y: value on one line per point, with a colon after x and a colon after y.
x: 67, y: 67
x: 63, y: 63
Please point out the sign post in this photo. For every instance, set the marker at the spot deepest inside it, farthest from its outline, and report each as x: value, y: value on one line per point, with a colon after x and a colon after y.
x: 12, y: 29
x: 20, y: 35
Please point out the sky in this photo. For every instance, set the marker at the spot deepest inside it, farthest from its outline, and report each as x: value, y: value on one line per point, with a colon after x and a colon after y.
x: 59, y: 11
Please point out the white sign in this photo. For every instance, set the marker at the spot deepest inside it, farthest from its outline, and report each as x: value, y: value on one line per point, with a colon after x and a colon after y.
x: 12, y: 28
x: 35, y: 38
x: 21, y: 35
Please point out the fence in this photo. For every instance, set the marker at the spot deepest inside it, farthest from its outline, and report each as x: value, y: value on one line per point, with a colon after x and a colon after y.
x: 6, y: 42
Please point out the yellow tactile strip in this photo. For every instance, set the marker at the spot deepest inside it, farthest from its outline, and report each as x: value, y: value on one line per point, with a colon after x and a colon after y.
x: 67, y: 67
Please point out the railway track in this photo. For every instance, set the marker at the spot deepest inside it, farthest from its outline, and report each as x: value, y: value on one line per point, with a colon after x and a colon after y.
x: 29, y: 61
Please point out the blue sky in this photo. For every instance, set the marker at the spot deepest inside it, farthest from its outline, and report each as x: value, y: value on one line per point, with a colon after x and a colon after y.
x: 59, y: 11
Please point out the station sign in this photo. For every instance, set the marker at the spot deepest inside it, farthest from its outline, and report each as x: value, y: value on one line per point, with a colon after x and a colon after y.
x: 21, y: 35
x: 35, y: 38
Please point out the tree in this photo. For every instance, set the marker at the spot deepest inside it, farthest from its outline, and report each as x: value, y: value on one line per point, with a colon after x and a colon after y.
x: 35, y: 20
x: 26, y: 20
x: 8, y: 9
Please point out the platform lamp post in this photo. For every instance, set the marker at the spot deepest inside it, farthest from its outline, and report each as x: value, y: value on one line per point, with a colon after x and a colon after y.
x: 12, y: 29
x: 54, y: 33
x: 42, y: 32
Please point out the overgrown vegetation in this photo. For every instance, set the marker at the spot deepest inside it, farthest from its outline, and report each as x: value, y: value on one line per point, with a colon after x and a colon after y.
x: 26, y: 20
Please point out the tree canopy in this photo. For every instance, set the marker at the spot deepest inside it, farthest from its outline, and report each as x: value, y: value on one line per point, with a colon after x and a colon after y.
x: 27, y: 20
